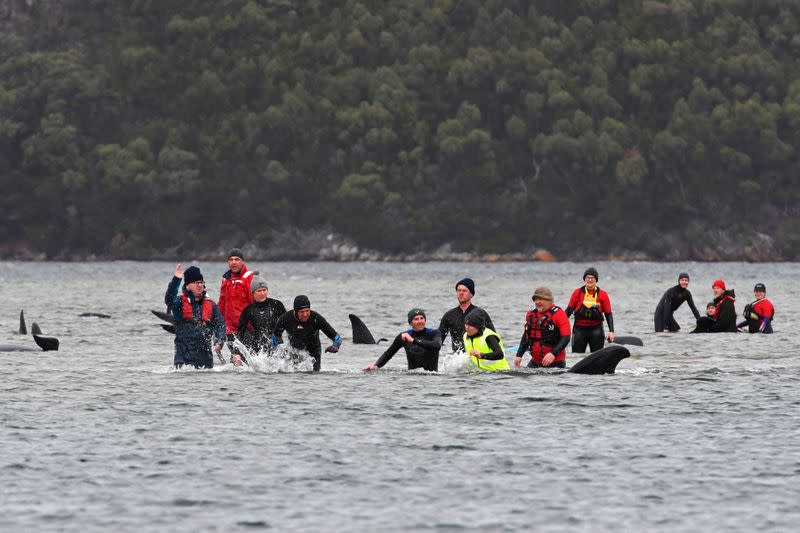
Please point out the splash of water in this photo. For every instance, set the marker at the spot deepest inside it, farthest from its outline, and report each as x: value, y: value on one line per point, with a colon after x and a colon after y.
x: 282, y: 358
x: 455, y: 363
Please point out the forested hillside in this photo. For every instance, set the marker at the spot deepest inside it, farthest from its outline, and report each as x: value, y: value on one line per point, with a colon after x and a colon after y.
x: 127, y: 128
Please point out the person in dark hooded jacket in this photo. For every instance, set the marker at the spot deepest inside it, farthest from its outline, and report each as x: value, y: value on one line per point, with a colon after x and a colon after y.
x: 725, y: 316
x: 197, y: 319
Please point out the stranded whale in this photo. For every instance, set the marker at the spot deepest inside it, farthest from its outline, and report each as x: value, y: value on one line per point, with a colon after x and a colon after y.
x: 361, y: 333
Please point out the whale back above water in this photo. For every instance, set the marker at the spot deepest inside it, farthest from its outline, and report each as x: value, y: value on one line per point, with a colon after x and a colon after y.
x: 603, y: 361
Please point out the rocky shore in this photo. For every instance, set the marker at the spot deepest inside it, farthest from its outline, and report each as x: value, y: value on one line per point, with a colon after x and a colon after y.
x: 321, y: 245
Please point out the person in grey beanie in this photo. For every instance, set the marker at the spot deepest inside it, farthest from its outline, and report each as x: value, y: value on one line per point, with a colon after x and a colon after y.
x: 257, y: 321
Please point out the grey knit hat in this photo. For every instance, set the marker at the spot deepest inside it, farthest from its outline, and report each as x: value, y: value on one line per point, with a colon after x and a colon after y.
x: 258, y: 283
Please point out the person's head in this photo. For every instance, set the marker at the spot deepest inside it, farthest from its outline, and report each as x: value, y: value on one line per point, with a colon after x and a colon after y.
x: 416, y: 317
x: 474, y: 323
x: 259, y: 288
x: 683, y: 280
x: 590, y: 277
x: 235, y: 260
x: 719, y: 288
x: 302, y: 307
x: 760, y: 291
x: 193, y: 281
x: 711, y: 309
x: 542, y: 299
x: 465, y: 290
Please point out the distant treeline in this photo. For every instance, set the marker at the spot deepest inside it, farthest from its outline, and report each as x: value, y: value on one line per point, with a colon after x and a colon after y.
x: 128, y: 127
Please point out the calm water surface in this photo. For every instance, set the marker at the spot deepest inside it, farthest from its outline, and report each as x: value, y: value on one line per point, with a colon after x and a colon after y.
x: 694, y: 432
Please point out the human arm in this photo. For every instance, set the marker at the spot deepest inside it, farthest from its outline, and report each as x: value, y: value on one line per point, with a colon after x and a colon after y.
x: 444, y: 329
x: 244, y: 320
x: 573, y: 302
x: 172, y: 297
x: 218, y: 327
x: 434, y: 343
x: 493, y: 342
x: 328, y: 330
x: 690, y: 301
x: 388, y: 354
x: 488, y: 320
x: 280, y: 327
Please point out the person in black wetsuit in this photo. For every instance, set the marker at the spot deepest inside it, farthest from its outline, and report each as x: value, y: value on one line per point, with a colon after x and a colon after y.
x: 705, y: 323
x: 453, y: 320
x: 673, y: 298
x: 303, y: 326
x: 421, y: 344
x: 257, y: 321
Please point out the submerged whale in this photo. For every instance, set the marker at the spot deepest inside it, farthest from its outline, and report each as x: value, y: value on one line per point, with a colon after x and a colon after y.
x: 361, y: 333
x: 628, y: 339
x: 96, y: 315
x: 603, y: 361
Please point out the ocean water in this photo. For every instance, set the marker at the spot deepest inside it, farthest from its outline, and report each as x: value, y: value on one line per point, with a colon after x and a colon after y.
x: 693, y: 432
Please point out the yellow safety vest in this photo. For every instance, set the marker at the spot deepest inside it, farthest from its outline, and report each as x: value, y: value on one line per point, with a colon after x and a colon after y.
x: 479, y: 344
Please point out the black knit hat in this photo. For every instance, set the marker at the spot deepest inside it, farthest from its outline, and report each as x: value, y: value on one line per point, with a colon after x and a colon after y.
x: 475, y: 319
x: 415, y: 312
x: 301, y: 302
x: 192, y: 274
x: 468, y: 283
x: 236, y: 252
x: 591, y: 271
x: 683, y: 275
x: 760, y: 287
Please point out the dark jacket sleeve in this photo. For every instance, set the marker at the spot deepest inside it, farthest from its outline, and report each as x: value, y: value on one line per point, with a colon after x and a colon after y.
x: 244, y: 319
x: 610, y: 321
x: 325, y: 328
x: 497, y: 352
x: 444, y: 328
x: 390, y: 351
x: 280, y: 326
x: 433, y: 344
x: 172, y: 298
x: 690, y: 301
x: 217, y: 325
x: 488, y: 321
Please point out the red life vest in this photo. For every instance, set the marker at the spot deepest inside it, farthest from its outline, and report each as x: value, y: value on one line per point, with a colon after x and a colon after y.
x: 541, y: 329
x: 186, y: 308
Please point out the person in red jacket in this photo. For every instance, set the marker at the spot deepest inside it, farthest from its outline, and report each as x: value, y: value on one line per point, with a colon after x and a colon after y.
x: 234, y: 296
x: 758, y: 314
x: 590, y: 304
x: 546, y: 334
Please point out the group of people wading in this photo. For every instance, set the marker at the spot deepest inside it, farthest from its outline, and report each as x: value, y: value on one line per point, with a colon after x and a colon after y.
x: 246, y: 312
x: 720, y: 312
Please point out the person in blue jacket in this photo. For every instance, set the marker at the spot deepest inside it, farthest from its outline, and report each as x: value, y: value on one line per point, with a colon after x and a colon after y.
x: 197, y: 319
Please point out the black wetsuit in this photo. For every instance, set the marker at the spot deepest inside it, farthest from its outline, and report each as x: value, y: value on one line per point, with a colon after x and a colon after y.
x: 262, y: 317
x: 422, y: 353
x: 673, y: 298
x: 305, y: 335
x: 453, y: 323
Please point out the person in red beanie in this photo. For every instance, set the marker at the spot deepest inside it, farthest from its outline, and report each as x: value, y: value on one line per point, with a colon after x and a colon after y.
x: 234, y: 296
x: 725, y: 310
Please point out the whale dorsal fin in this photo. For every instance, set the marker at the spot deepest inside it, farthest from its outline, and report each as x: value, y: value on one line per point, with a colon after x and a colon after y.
x: 361, y: 333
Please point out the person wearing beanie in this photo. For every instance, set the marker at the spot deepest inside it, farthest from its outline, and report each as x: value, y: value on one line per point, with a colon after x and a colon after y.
x: 453, y: 320
x: 705, y: 323
x: 672, y: 299
x: 759, y: 313
x: 234, y: 296
x: 303, y: 326
x: 546, y: 334
x: 590, y: 304
x: 421, y: 344
x: 258, y: 320
x: 725, y: 310
x: 484, y: 346
x: 198, y: 320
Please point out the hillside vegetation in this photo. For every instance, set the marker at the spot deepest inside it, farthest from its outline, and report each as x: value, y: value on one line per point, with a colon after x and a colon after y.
x: 127, y: 128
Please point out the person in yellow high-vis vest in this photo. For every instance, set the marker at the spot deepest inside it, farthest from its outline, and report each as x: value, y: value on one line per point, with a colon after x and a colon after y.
x: 484, y: 346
